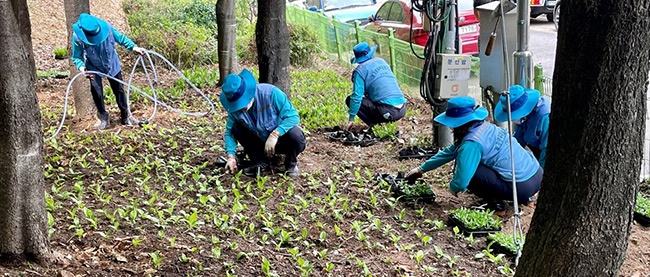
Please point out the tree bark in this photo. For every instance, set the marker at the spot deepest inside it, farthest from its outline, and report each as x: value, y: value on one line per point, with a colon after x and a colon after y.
x: 23, y: 229
x: 226, y: 36
x: 584, y: 216
x: 272, y: 39
x: 83, y: 101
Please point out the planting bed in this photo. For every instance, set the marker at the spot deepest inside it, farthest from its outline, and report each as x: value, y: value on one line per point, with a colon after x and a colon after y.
x: 416, y: 152
x: 363, y: 139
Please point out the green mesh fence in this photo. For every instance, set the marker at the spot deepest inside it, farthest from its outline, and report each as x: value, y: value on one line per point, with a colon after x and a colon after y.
x: 338, y: 38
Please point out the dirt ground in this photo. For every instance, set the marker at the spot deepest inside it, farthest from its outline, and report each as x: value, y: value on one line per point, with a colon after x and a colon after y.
x: 49, y: 32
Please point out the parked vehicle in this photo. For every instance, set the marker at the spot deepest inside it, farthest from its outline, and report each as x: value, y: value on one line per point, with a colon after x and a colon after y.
x: 396, y: 15
x: 346, y: 11
x: 556, y: 14
x: 541, y: 7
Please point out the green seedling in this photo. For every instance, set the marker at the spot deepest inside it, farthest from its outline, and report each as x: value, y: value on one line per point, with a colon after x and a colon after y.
x: 506, y: 241
x: 156, y: 259
x: 642, y: 205
x: 476, y: 219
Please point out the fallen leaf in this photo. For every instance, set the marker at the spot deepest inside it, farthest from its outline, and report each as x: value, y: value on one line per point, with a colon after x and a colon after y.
x: 120, y: 258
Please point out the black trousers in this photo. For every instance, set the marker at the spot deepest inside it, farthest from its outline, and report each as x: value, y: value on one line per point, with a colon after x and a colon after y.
x: 291, y: 144
x: 373, y: 113
x: 97, y: 90
x: 488, y: 184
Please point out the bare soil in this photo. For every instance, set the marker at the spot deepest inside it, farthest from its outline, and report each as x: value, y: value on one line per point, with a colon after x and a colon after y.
x: 94, y: 255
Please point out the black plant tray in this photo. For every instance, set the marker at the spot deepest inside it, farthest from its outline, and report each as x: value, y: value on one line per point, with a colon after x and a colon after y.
x: 398, y: 193
x: 474, y: 232
x: 498, y: 248
x: 642, y: 219
x: 416, y: 152
x: 362, y: 139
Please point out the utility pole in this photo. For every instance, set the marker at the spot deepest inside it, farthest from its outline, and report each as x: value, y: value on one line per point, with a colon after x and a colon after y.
x: 444, y: 134
x: 523, y: 58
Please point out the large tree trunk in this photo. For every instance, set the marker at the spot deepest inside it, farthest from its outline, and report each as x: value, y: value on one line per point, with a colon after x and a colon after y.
x: 582, y: 223
x: 23, y: 222
x: 272, y: 39
x: 225, y: 10
x: 83, y: 101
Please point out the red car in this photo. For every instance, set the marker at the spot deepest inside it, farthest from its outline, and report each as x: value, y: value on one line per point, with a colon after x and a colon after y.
x: 396, y: 14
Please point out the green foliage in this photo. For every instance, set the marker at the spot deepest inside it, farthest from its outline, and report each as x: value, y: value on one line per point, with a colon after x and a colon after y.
x: 642, y: 205
x: 303, y: 44
x: 60, y: 53
x: 505, y: 240
x: 319, y: 97
x: 414, y: 190
x: 246, y: 48
x: 476, y: 219
x: 182, y: 31
x: 386, y: 130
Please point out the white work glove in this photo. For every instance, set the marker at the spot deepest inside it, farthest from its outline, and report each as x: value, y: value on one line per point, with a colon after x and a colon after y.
x: 271, y: 141
x: 231, y: 164
x: 88, y: 75
x: 348, y: 125
x: 139, y: 50
x: 413, y: 175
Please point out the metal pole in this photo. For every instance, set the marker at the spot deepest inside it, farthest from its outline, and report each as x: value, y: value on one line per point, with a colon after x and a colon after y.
x: 445, y: 136
x: 523, y: 58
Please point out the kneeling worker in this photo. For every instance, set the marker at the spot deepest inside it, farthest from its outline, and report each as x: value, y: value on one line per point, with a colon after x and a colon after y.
x: 262, y: 119
x: 376, y: 96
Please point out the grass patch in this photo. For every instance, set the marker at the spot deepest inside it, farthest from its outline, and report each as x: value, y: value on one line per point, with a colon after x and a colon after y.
x: 319, y: 96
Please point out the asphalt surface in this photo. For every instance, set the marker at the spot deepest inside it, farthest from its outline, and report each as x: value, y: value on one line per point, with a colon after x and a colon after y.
x: 543, y: 40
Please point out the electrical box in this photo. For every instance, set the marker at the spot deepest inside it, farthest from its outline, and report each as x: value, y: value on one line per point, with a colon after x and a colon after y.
x: 493, y: 69
x: 452, y: 75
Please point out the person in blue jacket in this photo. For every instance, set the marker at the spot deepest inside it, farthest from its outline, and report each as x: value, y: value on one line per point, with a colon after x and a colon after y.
x: 376, y: 96
x: 93, y: 49
x: 530, y: 114
x: 482, y: 154
x: 263, y: 120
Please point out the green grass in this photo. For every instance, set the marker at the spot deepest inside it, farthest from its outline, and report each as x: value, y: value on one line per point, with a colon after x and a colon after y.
x: 319, y: 96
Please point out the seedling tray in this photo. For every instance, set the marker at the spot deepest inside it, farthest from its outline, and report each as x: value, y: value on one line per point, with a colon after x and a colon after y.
x: 642, y: 219
x: 416, y: 152
x: 362, y: 139
x: 467, y: 231
x: 498, y: 248
x: 397, y: 183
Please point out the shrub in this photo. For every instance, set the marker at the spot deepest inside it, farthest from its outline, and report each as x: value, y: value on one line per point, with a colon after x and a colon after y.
x: 303, y: 43
x: 187, y: 38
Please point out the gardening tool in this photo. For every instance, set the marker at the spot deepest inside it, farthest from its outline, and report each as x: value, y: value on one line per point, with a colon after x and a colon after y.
x: 153, y: 97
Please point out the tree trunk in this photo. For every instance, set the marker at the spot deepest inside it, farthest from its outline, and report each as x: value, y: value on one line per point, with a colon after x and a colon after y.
x: 22, y: 204
x: 272, y: 39
x: 226, y: 36
x: 582, y: 223
x: 83, y: 101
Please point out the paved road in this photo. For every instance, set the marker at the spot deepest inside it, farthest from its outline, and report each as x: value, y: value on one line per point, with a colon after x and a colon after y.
x: 543, y: 39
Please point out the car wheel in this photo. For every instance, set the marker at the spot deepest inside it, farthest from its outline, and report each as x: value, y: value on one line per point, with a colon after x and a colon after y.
x: 549, y: 17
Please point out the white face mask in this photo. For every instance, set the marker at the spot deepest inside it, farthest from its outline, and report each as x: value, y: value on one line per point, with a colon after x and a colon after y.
x: 250, y: 105
x: 519, y: 121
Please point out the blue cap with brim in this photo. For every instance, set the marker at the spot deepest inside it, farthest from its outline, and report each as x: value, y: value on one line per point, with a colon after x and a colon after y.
x: 237, y: 90
x: 362, y: 52
x: 91, y: 30
x: 460, y: 110
x: 522, y: 103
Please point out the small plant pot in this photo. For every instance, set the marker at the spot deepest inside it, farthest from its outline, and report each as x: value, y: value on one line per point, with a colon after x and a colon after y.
x: 453, y: 221
x: 397, y: 184
x: 642, y: 219
x: 362, y: 139
x: 416, y: 152
x: 60, y: 57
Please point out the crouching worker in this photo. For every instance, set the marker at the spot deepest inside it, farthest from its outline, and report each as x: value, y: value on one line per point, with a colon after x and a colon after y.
x: 93, y: 48
x: 482, y: 154
x: 376, y: 97
x: 262, y: 119
x: 530, y: 114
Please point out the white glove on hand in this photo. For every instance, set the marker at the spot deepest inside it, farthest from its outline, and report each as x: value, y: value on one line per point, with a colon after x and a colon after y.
x: 231, y: 164
x: 271, y: 141
x: 413, y: 175
x: 348, y: 125
x: 139, y: 50
x: 88, y: 75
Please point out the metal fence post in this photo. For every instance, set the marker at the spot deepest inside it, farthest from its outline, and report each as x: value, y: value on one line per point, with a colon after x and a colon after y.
x: 391, y: 50
x: 539, y: 78
x: 357, y: 30
x: 336, y: 38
